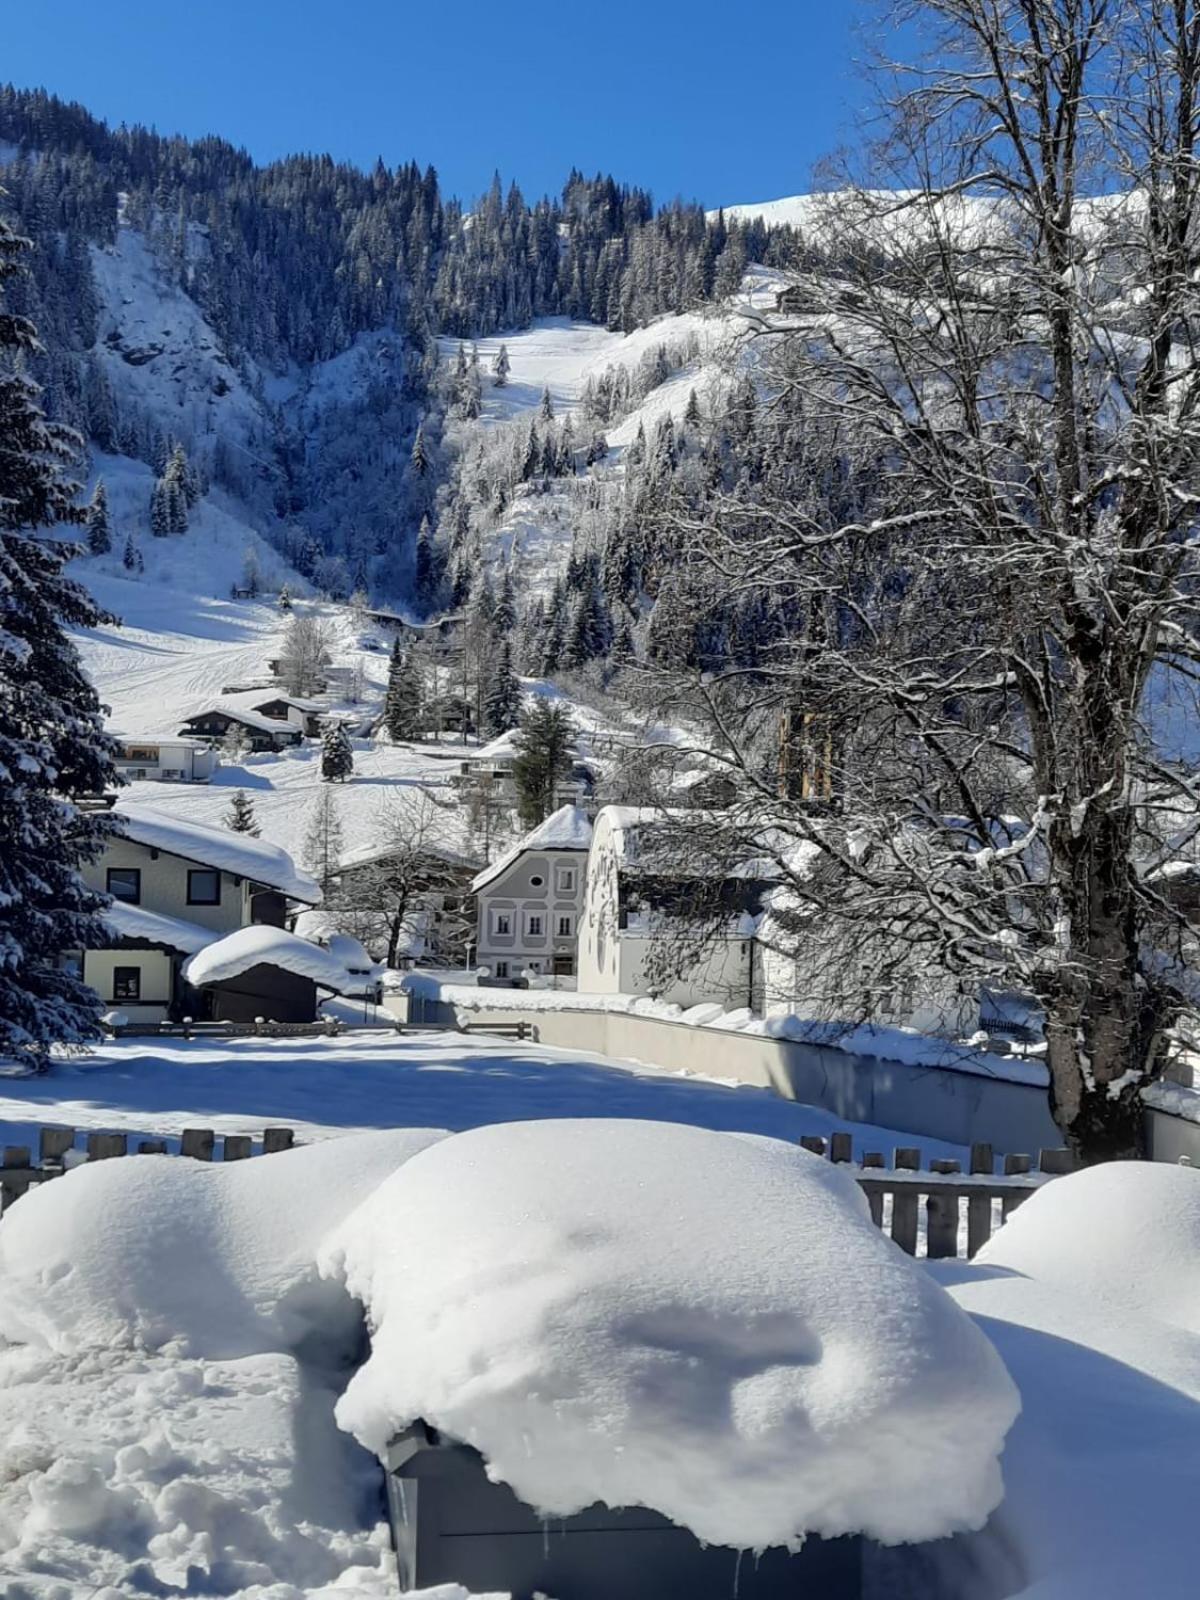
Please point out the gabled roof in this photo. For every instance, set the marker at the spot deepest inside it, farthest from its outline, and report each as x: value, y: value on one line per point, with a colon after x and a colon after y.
x: 236, y: 853
x: 568, y: 828
x: 262, y: 946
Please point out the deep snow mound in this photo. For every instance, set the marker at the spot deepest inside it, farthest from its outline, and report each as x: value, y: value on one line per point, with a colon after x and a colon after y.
x: 647, y: 1314
x: 216, y: 1259
x: 1125, y: 1236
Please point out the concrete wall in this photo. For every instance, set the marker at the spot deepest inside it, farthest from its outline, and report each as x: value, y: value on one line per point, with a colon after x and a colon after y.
x: 1171, y: 1138
x: 930, y: 1102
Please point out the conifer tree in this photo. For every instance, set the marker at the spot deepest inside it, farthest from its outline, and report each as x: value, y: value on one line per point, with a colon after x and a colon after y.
x: 323, y: 839
x: 419, y: 458
x: 502, y: 701
x: 99, y: 534
x: 546, y: 408
x: 129, y: 556
x: 337, y: 754
x: 504, y: 619
x: 402, y: 703
x: 425, y: 574
x: 545, y: 746
x: 285, y: 599
x: 240, y: 817
x: 52, y: 746
x: 500, y: 368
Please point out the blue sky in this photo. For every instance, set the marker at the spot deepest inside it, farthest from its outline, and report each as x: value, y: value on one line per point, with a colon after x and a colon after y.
x: 719, y: 103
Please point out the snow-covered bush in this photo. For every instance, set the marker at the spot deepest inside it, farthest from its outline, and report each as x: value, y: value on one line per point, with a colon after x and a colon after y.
x: 650, y: 1314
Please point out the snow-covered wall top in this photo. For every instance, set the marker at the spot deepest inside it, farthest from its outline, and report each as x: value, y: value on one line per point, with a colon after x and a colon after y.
x: 262, y: 946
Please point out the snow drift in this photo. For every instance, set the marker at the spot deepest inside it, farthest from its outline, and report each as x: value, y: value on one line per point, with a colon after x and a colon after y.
x: 645, y: 1314
x: 1124, y: 1237
x: 216, y: 1259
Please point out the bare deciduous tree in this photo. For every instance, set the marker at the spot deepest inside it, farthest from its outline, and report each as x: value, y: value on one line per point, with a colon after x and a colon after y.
x: 997, y: 355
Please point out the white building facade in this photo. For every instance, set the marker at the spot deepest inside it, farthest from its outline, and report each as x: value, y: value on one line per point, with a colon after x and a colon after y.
x: 528, y: 904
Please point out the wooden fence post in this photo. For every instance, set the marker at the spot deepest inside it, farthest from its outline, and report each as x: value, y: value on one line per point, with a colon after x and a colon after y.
x: 941, y: 1228
x: 276, y: 1139
x: 813, y: 1142
x: 904, y: 1201
x: 873, y: 1160
x: 841, y: 1147
x: 979, y: 1206
x: 1015, y: 1166
x: 237, y: 1146
x: 104, y: 1146
x: 197, y: 1142
x: 53, y: 1144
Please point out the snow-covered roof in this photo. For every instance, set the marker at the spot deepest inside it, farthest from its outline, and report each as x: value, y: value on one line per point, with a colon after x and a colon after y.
x: 243, y: 714
x: 568, y: 828
x: 502, y: 748
x: 252, y: 698
x: 179, y: 741
x: 135, y: 922
x: 237, y: 853
x: 262, y: 946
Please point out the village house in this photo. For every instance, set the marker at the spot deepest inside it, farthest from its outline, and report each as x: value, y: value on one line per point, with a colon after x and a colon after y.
x: 640, y: 935
x: 529, y: 901
x: 493, y: 767
x: 155, y: 760
x: 261, y: 733
x: 177, y: 887
x: 408, y: 901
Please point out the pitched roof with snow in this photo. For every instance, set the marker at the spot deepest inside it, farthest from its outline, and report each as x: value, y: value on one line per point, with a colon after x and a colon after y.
x: 236, y: 853
x: 262, y: 946
x: 135, y: 922
x: 242, y: 714
x: 568, y: 828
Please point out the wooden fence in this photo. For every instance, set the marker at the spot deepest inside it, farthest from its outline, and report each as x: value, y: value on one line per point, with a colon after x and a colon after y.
x: 59, y: 1151
x: 959, y: 1210
x: 326, y: 1028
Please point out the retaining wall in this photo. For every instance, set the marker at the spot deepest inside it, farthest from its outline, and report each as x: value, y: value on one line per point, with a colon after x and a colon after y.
x: 939, y: 1103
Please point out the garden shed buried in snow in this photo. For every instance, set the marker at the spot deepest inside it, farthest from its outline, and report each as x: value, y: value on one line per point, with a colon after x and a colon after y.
x: 451, y: 1524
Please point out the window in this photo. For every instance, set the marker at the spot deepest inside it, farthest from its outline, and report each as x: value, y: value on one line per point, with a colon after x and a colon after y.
x: 127, y: 983
x: 536, y: 881
x: 564, y: 927
x: 204, y: 887
x: 502, y: 969
x: 125, y: 883
x: 533, y: 925
x: 501, y: 923
x: 566, y: 880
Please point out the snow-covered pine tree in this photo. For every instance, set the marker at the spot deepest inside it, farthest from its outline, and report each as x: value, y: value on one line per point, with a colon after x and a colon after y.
x: 337, y: 754
x: 285, y: 599
x: 546, y: 407
x: 504, y: 619
x: 129, y: 556
x: 99, y: 534
x: 502, y: 698
x: 425, y: 573
x: 419, y: 459
x: 405, y: 694
x: 52, y: 745
x: 240, y: 817
x: 501, y: 367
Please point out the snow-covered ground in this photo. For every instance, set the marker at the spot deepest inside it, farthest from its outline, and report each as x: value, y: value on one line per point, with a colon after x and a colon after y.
x: 321, y: 1087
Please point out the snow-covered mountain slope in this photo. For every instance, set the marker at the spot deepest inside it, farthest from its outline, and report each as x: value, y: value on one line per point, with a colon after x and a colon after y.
x: 160, y: 354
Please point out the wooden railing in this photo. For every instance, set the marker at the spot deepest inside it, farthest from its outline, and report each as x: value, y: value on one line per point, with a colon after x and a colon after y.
x: 938, y: 1211
x: 959, y: 1210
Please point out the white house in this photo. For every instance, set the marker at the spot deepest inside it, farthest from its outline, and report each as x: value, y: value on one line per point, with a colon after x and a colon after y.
x: 155, y: 760
x: 634, y: 919
x: 529, y: 901
x: 176, y: 887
